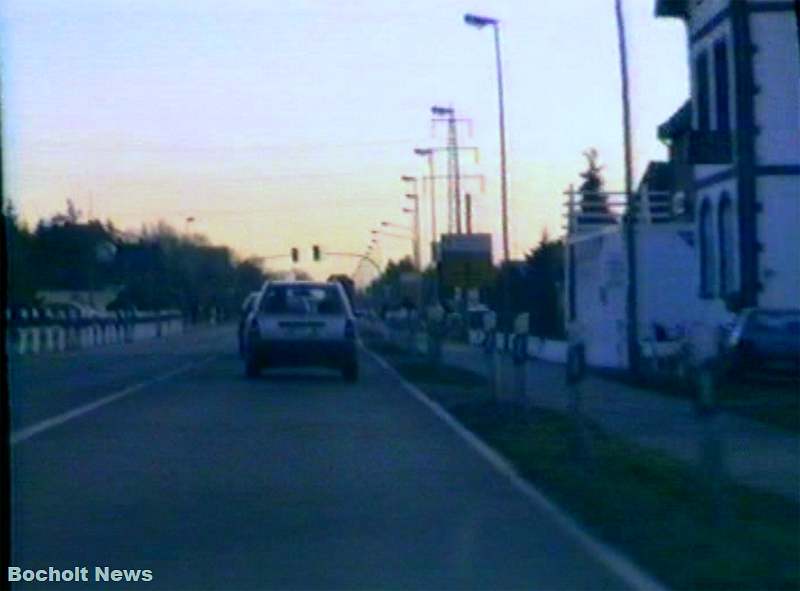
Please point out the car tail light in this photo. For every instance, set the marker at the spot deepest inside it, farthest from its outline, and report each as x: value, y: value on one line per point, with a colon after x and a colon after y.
x: 349, y: 330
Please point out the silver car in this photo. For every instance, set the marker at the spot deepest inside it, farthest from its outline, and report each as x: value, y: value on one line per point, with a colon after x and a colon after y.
x: 301, y: 323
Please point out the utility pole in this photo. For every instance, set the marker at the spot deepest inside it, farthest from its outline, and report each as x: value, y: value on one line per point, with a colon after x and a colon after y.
x: 630, y: 215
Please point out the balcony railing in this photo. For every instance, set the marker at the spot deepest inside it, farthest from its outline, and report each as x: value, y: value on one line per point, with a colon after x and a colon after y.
x: 588, y: 212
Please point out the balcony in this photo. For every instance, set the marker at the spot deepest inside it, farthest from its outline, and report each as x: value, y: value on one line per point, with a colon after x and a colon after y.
x: 673, y: 8
x: 710, y: 147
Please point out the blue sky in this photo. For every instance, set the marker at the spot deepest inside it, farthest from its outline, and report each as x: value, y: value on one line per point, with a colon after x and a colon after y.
x: 279, y: 124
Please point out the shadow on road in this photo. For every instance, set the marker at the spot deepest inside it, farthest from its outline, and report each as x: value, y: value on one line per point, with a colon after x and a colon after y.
x: 294, y: 377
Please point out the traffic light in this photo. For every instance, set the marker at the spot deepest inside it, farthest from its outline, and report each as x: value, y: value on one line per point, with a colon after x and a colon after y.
x: 295, y: 255
x: 316, y: 252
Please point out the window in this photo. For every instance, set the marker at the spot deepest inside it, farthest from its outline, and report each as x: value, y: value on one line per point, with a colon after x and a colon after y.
x: 727, y: 249
x: 701, y: 85
x: 721, y: 85
x: 707, y: 256
x: 302, y: 300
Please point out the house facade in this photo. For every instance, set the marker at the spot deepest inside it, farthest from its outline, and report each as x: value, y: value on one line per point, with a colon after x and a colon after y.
x: 738, y: 141
x: 717, y: 226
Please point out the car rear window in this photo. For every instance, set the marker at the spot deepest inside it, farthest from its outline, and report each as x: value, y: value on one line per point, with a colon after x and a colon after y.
x: 302, y: 300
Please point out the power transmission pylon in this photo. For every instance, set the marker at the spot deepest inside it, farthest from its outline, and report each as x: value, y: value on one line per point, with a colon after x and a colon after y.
x: 448, y: 115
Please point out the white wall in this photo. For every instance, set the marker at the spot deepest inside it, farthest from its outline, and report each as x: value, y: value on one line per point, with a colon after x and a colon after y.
x: 667, y: 267
x: 600, y: 288
x: 779, y: 232
x: 777, y: 74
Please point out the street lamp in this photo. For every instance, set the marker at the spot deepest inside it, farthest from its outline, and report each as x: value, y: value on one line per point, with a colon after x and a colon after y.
x: 441, y: 111
x: 393, y: 225
x: 415, y: 211
x: 428, y: 153
x: 479, y: 22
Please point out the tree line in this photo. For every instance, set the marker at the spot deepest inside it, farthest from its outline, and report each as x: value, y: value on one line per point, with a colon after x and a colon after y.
x: 156, y: 268
x: 535, y: 284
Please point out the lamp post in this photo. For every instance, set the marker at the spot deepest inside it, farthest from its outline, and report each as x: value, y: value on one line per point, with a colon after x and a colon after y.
x: 479, y: 22
x: 415, y: 212
x: 428, y: 153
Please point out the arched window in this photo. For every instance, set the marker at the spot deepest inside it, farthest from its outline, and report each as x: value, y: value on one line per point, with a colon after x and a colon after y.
x: 708, y: 267
x: 727, y: 245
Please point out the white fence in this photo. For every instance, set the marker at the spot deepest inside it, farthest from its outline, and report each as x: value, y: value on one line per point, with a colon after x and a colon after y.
x: 31, y: 332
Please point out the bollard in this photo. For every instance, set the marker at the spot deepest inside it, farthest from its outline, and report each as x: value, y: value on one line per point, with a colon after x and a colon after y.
x: 36, y: 338
x: 575, y: 375
x: 711, y: 464
x: 50, y: 341
x: 706, y: 390
x: 22, y: 342
x: 435, y: 326
x: 519, y: 355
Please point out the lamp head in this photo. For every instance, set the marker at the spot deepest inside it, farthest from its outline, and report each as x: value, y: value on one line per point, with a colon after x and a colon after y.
x: 479, y: 22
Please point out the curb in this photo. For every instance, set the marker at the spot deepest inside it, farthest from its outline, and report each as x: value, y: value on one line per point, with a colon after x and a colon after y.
x: 617, y: 563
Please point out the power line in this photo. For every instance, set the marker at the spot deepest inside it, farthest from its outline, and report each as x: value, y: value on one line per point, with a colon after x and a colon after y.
x: 142, y: 147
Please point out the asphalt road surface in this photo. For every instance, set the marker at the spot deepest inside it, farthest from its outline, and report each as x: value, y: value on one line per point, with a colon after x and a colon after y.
x: 160, y: 455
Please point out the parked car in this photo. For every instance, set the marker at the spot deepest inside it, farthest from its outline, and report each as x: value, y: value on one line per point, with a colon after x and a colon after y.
x: 299, y: 323
x: 767, y: 341
x: 244, y: 313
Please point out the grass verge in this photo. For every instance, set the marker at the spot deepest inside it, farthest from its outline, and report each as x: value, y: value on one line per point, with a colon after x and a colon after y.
x: 691, y: 530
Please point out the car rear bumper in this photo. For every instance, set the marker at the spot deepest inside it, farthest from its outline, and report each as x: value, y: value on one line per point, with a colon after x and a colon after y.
x: 309, y: 352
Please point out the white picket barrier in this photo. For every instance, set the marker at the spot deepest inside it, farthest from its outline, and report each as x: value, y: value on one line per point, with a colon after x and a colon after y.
x: 31, y: 333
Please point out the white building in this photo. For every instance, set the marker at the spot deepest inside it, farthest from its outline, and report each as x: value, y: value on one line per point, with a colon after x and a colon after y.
x: 723, y: 229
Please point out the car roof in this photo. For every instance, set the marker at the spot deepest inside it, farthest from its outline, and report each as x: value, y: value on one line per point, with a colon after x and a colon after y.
x: 285, y: 283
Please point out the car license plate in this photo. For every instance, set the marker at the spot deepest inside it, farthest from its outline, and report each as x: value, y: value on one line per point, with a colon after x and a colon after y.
x: 302, y: 331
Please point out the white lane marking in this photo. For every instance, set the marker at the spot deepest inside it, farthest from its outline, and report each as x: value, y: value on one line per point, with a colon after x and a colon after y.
x: 46, y: 424
x: 613, y: 560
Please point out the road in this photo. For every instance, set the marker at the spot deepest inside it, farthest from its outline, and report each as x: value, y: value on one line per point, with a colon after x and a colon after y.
x: 293, y: 481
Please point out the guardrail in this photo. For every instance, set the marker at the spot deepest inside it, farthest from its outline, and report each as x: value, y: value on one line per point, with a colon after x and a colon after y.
x: 34, y: 331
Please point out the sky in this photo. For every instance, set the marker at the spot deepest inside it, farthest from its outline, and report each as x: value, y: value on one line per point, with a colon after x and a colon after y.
x: 280, y: 124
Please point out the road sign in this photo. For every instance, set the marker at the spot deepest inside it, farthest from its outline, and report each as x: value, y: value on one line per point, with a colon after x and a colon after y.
x: 466, y: 259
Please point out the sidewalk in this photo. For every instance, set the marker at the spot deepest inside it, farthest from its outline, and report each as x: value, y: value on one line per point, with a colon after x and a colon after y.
x: 751, y: 453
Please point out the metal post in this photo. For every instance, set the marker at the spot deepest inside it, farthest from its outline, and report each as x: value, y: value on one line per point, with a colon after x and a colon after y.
x: 468, y: 204
x: 456, y: 171
x: 503, y: 183
x: 417, y: 231
x: 630, y: 216
x: 434, y: 237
